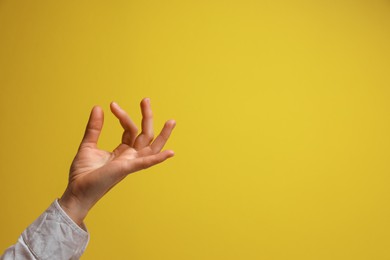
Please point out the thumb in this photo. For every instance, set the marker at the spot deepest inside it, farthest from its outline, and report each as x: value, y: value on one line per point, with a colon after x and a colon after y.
x: 94, y: 127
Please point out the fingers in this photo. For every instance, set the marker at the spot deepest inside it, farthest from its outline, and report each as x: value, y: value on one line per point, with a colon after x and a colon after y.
x: 147, y: 135
x: 130, y: 129
x: 163, y: 137
x: 94, y: 127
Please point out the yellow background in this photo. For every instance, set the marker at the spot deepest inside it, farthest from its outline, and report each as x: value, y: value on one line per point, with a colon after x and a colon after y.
x: 282, y: 108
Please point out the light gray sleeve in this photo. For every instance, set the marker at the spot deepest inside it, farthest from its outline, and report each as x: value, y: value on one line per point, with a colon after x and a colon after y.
x: 53, y: 235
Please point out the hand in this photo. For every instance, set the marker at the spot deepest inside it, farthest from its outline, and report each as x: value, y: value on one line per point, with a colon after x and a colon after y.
x: 94, y: 172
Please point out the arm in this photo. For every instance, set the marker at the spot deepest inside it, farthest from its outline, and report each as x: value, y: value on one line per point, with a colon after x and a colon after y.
x: 59, y: 233
x: 52, y: 236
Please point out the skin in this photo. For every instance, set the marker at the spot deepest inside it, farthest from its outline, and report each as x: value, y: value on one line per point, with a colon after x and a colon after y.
x: 94, y: 171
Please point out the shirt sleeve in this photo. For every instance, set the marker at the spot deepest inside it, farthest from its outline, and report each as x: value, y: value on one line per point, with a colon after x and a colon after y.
x: 54, y: 235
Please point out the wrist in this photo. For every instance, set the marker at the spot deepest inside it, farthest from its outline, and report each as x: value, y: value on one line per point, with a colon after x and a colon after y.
x: 73, y: 208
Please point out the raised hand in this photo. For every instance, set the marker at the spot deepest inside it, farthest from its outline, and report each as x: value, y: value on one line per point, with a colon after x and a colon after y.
x: 94, y: 172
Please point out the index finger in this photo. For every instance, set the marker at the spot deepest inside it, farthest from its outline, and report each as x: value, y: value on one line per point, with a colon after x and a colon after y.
x: 130, y: 129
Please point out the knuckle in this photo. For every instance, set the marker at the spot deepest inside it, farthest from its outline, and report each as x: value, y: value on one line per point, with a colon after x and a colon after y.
x: 134, y: 130
x: 149, y: 135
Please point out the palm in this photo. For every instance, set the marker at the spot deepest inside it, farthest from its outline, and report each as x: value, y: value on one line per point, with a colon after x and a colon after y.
x: 87, y: 160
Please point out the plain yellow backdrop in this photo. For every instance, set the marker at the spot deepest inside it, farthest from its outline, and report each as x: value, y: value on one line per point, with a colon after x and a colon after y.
x: 282, y: 138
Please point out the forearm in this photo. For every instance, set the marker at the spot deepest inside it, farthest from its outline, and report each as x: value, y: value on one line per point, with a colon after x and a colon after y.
x: 54, y: 235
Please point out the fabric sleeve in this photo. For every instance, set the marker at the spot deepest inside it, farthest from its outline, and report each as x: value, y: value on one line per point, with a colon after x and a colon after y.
x: 54, y: 235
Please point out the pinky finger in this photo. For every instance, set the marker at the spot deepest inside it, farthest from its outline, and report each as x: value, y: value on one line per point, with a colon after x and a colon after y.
x: 151, y: 160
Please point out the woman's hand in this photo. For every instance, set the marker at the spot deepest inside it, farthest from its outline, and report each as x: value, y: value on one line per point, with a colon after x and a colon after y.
x: 94, y: 172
